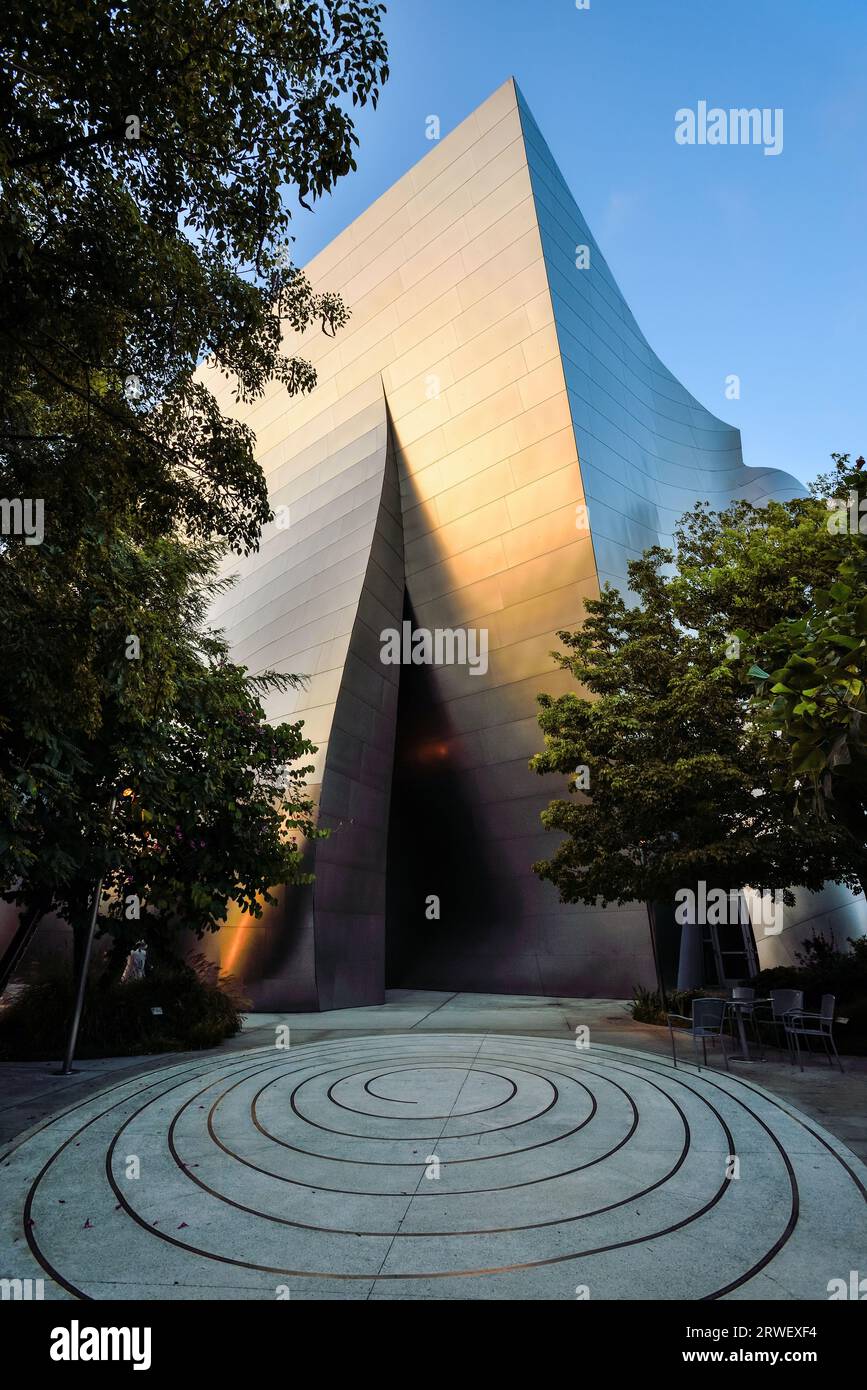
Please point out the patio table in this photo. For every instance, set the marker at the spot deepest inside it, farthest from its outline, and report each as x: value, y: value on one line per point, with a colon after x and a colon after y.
x: 740, y: 1008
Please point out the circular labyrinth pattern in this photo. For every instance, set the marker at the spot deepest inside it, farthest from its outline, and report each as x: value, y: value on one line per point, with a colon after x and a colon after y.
x: 428, y: 1166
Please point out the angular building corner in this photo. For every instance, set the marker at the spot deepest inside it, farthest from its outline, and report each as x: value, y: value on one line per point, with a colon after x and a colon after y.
x: 485, y: 400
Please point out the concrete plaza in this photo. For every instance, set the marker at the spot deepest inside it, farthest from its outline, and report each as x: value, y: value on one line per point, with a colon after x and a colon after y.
x: 439, y: 1146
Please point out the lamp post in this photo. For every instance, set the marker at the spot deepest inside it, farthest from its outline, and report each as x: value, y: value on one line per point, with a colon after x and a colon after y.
x: 66, y: 1069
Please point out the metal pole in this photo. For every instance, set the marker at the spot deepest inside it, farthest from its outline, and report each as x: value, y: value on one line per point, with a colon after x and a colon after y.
x: 82, y: 985
x: 82, y: 977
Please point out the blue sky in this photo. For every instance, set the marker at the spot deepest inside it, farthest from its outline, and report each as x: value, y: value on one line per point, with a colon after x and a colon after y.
x: 733, y: 262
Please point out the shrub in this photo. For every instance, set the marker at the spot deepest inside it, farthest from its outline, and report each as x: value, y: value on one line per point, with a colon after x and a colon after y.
x: 823, y: 969
x: 647, y: 1007
x: 198, y: 1010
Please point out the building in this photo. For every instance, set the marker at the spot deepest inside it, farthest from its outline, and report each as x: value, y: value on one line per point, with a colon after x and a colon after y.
x: 491, y: 438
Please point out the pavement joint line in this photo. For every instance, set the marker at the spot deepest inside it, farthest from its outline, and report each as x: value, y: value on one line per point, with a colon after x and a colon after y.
x: 431, y: 1012
x: 421, y: 1178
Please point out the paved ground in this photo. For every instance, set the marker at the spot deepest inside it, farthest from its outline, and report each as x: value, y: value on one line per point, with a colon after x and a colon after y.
x: 441, y: 1147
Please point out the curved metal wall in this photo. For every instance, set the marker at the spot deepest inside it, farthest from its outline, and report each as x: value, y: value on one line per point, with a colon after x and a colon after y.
x: 648, y: 449
x: 500, y: 389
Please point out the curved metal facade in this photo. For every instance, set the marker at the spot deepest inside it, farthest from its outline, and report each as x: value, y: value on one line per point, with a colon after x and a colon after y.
x: 485, y: 391
x: 648, y: 450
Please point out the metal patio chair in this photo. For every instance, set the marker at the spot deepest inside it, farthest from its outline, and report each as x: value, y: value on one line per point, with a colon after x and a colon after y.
x: 782, y: 1002
x: 707, y: 1022
x: 801, y: 1024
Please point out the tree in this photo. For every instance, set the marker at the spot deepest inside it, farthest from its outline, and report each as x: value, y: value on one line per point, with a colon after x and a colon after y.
x: 814, y: 691
x: 170, y: 786
x: 147, y: 153
x: 146, y: 148
x: 788, y: 582
x: 683, y: 782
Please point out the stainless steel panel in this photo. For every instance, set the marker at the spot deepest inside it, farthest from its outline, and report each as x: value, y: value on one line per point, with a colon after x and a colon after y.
x: 434, y: 474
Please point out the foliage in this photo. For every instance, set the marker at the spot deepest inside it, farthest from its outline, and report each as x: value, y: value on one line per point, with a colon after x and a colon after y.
x: 789, y: 582
x: 815, y: 685
x: 208, y: 793
x: 825, y: 969
x: 145, y: 151
x: 684, y: 784
x: 647, y: 1005
x: 148, y: 154
x: 198, y: 1010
